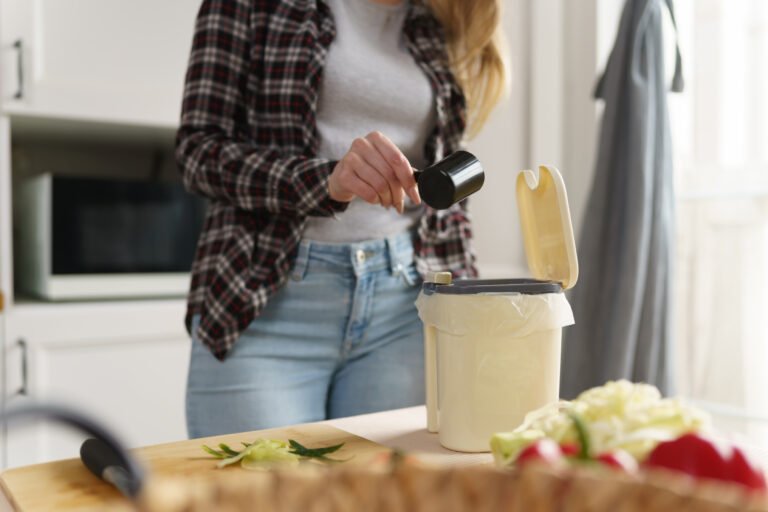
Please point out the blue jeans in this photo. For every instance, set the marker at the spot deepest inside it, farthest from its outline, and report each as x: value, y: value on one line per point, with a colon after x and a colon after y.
x: 341, y: 338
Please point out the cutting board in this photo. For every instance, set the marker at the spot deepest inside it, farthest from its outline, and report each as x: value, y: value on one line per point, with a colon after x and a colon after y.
x: 68, y: 485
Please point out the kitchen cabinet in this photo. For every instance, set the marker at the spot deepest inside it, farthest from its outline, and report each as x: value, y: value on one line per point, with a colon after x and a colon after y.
x: 5, y: 264
x: 85, y: 72
x: 123, y: 363
x: 97, y: 60
x: 2, y: 365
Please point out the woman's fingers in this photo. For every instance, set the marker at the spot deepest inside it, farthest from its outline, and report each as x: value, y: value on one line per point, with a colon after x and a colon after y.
x: 364, y: 191
x: 344, y: 184
x: 379, y: 163
x: 398, y: 163
x: 367, y: 173
x: 375, y: 170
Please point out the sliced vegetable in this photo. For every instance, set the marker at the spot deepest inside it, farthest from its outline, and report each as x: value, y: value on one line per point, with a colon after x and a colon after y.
x: 618, y: 459
x: 267, y: 452
x: 618, y: 415
x: 544, y: 451
x: 506, y: 446
x: 702, y: 457
x: 744, y: 471
x: 260, y: 453
x: 570, y: 449
x: 547, y: 451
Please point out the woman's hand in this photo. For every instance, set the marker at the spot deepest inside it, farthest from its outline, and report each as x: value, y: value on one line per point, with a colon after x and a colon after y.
x: 375, y: 170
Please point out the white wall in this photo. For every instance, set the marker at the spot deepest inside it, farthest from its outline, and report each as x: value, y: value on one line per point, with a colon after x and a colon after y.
x: 550, y: 118
x: 502, y: 147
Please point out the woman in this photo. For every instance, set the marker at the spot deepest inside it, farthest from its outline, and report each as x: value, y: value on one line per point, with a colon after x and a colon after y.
x: 301, y: 122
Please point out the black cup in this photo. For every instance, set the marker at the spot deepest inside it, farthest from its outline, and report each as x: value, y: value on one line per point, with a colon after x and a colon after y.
x: 450, y: 180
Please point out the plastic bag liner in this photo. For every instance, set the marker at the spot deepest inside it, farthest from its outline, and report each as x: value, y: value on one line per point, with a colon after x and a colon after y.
x: 514, y: 315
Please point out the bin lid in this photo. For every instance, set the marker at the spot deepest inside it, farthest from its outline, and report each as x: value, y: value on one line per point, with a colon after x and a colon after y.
x: 488, y: 286
x: 546, y: 225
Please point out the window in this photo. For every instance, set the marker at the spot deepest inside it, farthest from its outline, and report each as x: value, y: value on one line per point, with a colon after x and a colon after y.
x: 720, y: 134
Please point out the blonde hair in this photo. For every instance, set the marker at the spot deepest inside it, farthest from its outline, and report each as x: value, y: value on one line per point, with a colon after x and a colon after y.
x: 477, y: 51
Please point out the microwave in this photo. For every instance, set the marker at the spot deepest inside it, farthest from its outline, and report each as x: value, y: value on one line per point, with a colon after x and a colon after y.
x: 78, y: 238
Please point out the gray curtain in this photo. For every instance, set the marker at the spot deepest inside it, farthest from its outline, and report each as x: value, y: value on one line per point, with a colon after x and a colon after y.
x: 622, y: 300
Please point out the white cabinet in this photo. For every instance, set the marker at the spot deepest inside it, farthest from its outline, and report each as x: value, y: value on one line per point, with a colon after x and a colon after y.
x: 2, y: 362
x: 123, y: 363
x: 98, y: 60
x: 81, y: 71
x: 5, y: 257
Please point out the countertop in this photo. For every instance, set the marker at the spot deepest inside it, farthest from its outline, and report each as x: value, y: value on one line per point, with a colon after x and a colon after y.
x: 403, y: 429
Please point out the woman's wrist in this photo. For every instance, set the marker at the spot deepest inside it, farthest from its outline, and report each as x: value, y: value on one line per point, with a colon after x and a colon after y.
x: 333, y: 192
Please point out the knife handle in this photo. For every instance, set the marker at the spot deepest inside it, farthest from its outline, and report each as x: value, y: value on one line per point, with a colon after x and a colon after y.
x: 109, y: 465
x: 130, y: 476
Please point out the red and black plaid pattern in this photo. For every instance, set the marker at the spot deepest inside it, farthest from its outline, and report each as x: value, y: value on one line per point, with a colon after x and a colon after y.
x: 248, y: 141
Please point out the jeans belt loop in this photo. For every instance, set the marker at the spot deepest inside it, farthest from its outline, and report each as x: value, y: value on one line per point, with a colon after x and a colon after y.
x: 302, y: 261
x: 397, y: 266
x: 394, y: 263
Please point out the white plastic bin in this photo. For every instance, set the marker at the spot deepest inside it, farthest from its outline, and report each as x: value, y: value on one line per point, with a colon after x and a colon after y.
x: 493, y: 346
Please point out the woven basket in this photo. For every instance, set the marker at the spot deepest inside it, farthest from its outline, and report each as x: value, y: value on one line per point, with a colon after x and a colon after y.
x: 433, y: 489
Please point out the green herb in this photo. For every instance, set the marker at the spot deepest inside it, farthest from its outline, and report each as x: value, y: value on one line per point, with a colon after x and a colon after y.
x: 314, y: 453
x: 266, y: 452
x: 229, y: 451
x: 582, y: 435
x: 218, y: 455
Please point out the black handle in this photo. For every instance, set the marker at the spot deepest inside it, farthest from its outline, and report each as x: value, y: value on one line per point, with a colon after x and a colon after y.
x: 126, y: 470
x: 19, y: 46
x: 109, y: 465
x: 450, y: 180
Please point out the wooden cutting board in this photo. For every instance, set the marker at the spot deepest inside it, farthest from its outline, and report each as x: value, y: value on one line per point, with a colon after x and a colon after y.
x: 68, y: 485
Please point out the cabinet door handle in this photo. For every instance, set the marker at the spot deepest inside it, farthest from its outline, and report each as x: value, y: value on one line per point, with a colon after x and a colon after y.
x: 24, y: 389
x: 19, y: 47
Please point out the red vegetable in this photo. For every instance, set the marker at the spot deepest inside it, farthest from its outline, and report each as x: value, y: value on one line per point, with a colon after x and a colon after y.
x: 618, y: 459
x: 544, y: 450
x: 570, y: 449
x: 742, y: 470
x: 701, y: 457
x: 549, y: 452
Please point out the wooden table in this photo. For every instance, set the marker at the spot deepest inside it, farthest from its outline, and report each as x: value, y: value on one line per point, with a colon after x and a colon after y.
x: 403, y: 429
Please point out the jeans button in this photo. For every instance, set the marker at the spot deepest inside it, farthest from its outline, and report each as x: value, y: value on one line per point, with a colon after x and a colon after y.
x: 360, y: 256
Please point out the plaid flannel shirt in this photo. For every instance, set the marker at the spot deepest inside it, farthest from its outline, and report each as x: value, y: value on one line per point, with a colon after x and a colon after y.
x: 248, y: 142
